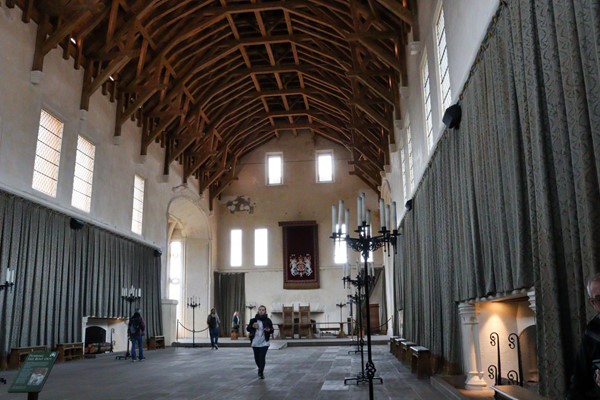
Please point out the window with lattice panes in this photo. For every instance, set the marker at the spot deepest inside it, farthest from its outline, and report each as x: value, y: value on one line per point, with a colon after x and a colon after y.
x: 411, y: 170
x: 47, y: 154
x: 84, y: 175
x: 427, y: 112
x: 138, y: 205
x: 403, y: 171
x: 442, y: 54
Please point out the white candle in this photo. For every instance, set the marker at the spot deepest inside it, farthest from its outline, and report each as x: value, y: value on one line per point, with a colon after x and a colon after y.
x: 140, y: 292
x: 368, y: 217
x: 340, y: 215
x: 347, y: 218
x: 393, y: 221
x: 333, y: 215
x: 387, y: 217
x: 363, y: 205
x: 382, y: 214
x: 359, y: 210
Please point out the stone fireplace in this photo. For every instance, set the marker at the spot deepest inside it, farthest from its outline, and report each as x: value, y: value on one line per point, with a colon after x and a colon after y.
x: 499, y: 340
x: 104, y: 334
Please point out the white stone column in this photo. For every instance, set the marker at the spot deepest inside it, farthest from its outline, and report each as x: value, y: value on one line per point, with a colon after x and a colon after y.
x: 169, y: 314
x: 531, y: 295
x: 470, y: 345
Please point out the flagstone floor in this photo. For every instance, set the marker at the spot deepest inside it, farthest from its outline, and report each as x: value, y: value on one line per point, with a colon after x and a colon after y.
x: 178, y: 373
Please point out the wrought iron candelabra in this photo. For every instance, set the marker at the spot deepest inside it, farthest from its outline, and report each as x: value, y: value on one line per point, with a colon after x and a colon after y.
x: 366, y: 243
x: 9, y: 283
x: 341, y: 305
x: 193, y: 302
x: 129, y: 295
x: 10, y: 279
x: 250, y: 307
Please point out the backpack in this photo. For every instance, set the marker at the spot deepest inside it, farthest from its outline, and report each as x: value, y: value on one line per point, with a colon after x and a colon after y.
x: 134, y: 327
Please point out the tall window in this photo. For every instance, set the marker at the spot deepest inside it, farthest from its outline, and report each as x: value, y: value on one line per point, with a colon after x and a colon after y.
x: 274, y: 169
x: 341, y: 250
x: 236, y: 248
x: 427, y: 104
x: 442, y: 53
x: 261, y: 247
x: 411, y: 170
x: 404, y: 176
x: 84, y: 174
x: 138, y: 205
x: 176, y: 274
x: 47, y: 154
x: 325, y: 166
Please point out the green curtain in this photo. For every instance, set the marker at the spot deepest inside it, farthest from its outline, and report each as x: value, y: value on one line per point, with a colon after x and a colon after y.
x: 63, y: 275
x: 511, y: 199
x: 230, y: 292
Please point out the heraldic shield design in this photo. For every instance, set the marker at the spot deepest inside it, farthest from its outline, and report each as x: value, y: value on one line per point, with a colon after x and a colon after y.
x: 300, y: 265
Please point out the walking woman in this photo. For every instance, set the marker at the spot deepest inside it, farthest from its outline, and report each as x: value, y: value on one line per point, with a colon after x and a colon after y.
x: 260, y: 329
x: 213, y: 323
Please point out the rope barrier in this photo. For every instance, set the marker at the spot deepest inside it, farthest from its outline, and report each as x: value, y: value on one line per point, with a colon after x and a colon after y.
x: 190, y: 330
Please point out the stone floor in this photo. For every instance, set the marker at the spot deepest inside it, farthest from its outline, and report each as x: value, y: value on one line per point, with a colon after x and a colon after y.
x: 177, y: 373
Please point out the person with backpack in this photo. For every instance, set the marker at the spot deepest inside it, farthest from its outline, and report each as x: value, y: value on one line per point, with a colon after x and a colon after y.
x: 136, y: 329
x: 213, y: 322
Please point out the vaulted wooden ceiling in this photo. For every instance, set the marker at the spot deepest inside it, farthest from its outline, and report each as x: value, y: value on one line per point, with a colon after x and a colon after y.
x: 211, y: 80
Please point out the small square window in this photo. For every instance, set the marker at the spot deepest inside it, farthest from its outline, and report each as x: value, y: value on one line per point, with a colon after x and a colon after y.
x: 236, y: 248
x: 261, y: 247
x: 274, y: 169
x: 325, y: 166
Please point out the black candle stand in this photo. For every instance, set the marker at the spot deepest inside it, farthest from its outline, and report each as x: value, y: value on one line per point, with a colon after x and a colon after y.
x: 130, y: 295
x: 364, y: 244
x: 193, y: 303
x: 8, y: 284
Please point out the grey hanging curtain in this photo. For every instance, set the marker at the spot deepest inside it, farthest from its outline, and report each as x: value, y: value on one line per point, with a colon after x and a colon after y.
x: 511, y: 199
x: 63, y: 275
x: 230, y: 292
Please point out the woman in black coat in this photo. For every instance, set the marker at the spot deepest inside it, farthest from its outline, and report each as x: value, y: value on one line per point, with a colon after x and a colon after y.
x: 260, y: 328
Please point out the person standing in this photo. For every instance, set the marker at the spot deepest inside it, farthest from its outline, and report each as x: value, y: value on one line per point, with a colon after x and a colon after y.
x: 136, y: 329
x: 585, y: 381
x: 235, y: 325
x: 213, y: 322
x: 260, y: 328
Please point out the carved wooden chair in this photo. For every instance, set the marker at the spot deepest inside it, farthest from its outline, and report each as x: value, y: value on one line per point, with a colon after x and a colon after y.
x: 304, y: 323
x: 287, y: 326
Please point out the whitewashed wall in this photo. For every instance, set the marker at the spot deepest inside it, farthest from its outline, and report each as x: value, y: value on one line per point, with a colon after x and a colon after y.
x: 59, y: 92
x: 299, y: 198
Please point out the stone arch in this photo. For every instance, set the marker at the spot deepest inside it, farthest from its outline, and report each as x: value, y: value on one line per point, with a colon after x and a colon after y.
x: 188, y: 221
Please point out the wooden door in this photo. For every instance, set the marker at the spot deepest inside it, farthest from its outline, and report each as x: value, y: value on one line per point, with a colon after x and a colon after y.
x: 374, y: 323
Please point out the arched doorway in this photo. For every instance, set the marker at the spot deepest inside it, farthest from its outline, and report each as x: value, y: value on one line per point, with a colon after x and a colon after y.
x: 189, y: 266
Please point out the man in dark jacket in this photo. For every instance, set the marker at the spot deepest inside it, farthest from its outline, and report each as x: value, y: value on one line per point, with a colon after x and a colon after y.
x: 260, y: 328
x: 585, y: 382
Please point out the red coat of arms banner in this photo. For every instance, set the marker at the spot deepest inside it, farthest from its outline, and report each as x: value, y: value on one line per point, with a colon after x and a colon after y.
x: 300, y: 255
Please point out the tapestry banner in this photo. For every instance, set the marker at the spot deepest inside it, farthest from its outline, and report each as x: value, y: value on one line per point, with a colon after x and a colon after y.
x: 300, y: 255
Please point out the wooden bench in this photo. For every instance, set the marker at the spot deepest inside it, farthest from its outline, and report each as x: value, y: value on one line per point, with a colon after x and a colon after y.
x: 395, y: 349
x: 420, y: 362
x: 19, y: 354
x: 405, y: 354
x: 69, y: 351
x: 513, y: 392
x: 156, y: 342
